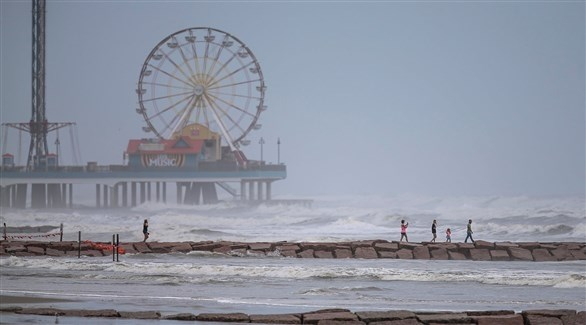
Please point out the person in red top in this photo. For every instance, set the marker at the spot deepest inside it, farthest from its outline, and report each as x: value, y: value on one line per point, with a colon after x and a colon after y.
x: 404, y: 230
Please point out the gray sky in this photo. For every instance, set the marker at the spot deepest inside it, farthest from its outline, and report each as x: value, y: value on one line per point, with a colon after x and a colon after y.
x: 426, y: 97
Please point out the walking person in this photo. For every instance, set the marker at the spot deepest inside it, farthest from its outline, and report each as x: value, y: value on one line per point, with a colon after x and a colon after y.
x: 448, y: 235
x: 404, y: 230
x: 145, y: 229
x: 469, y: 232
x: 433, y: 231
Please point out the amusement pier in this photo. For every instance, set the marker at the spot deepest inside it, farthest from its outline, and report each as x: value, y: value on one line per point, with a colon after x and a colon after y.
x: 200, y: 94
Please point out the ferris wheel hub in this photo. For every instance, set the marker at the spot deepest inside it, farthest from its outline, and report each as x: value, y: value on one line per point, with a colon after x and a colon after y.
x: 198, y: 90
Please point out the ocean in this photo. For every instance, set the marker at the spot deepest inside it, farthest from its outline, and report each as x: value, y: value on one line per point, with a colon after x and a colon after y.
x: 202, y: 282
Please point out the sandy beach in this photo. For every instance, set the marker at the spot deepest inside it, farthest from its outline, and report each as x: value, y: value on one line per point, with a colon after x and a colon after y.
x: 22, y: 300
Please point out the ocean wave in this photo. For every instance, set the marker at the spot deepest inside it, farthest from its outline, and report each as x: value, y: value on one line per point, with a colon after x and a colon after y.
x: 330, y: 218
x: 180, y: 272
x: 333, y: 291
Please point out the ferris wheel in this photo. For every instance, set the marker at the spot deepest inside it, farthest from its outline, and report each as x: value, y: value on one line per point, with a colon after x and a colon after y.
x: 201, y: 75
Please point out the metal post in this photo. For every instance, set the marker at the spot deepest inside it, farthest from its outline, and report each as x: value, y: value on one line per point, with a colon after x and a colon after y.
x: 278, y: 151
x: 261, y: 142
x: 79, y: 244
x: 117, y: 247
x: 113, y: 248
x: 61, y: 232
x: 4, y: 234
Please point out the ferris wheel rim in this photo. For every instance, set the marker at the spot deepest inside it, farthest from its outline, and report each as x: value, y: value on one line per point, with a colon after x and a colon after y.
x: 203, y: 91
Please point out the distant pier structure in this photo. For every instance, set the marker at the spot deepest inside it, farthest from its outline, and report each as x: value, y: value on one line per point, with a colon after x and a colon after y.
x: 131, y: 185
x: 200, y: 93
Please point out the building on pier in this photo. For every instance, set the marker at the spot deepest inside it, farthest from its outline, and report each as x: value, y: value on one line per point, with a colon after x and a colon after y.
x: 193, y: 160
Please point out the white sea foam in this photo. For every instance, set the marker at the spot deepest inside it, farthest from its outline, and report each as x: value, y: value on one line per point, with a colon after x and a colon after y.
x: 330, y: 218
x: 182, y: 271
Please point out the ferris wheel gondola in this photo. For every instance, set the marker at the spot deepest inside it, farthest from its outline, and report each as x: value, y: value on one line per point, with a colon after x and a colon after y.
x: 201, y: 75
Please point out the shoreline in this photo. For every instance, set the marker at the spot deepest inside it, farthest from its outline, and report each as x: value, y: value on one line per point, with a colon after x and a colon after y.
x: 321, y: 317
x: 365, y: 249
x: 6, y: 299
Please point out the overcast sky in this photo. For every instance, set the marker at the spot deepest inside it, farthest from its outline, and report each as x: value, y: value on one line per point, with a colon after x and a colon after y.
x: 426, y: 97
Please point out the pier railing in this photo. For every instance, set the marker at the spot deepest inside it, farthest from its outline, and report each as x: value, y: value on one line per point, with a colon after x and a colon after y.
x: 202, y: 166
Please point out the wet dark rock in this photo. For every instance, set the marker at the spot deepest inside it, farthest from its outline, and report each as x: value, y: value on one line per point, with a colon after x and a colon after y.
x: 480, y: 254
x: 91, y: 313
x: 306, y: 254
x: 421, y: 253
x: 230, y: 318
x: 365, y: 252
x: 387, y: 254
x: 343, y: 253
x: 276, y: 319
x: 142, y: 248
x: 484, y: 244
x: 260, y: 246
x: 140, y: 314
x: 315, y: 318
x: 323, y: 254
x: 500, y: 320
x: 379, y: 316
x: 181, y: 316
x: 439, y: 254
x: 456, y: 255
x: 366, y: 249
x: 405, y: 254
x: 500, y: 255
x: 445, y: 318
x: 542, y: 255
x: 520, y: 254
x: 386, y: 246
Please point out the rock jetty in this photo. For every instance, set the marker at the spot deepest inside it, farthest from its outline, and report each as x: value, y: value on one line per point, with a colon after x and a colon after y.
x: 336, y: 316
x: 367, y: 249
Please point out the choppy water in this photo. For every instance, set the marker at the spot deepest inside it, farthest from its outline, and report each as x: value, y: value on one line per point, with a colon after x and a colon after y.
x: 199, y: 282
x: 329, y: 219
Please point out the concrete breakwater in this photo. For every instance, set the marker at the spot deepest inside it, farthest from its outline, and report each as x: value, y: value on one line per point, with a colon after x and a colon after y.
x: 366, y: 249
x: 337, y: 316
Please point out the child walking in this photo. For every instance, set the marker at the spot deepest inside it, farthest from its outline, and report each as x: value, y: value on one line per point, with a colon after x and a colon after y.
x: 448, y: 235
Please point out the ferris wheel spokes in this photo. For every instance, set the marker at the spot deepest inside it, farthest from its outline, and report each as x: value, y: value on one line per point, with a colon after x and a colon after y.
x: 235, y: 95
x: 172, y: 76
x: 168, y: 108
x: 186, y: 60
x: 217, y: 107
x: 223, y: 128
x: 167, y: 96
x: 209, y: 73
x: 235, y: 84
x: 184, y: 119
x: 174, y: 124
x: 179, y: 68
x: 231, y: 105
x: 231, y: 74
x: 168, y: 86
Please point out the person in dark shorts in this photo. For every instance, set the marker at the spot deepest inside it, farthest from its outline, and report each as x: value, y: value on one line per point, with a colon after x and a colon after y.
x: 433, y: 231
x: 469, y: 232
x: 145, y: 229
